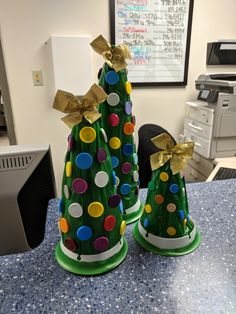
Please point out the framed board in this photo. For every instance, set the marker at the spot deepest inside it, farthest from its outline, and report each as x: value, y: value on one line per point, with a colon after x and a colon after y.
x: 158, y: 34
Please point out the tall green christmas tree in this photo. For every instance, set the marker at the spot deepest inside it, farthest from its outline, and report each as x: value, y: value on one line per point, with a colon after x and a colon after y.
x: 119, y: 123
x: 91, y: 223
x: 165, y: 226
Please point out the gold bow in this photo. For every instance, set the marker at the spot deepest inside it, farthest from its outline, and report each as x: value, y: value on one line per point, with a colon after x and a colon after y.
x: 114, y: 56
x: 177, y: 154
x: 79, y: 108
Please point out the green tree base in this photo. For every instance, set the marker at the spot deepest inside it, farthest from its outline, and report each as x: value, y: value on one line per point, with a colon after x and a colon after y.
x: 93, y: 268
x: 132, y: 217
x: 171, y: 252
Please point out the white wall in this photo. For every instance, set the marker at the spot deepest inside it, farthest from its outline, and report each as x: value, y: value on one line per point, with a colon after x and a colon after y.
x: 27, y: 24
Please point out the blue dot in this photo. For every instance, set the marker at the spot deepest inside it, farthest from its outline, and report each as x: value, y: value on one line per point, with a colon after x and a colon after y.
x: 125, y: 189
x: 112, y: 77
x: 84, y: 233
x: 135, y: 156
x: 145, y: 222
x: 121, y: 207
x: 114, y: 161
x: 181, y: 214
x: 84, y: 161
x: 60, y: 205
x: 174, y: 188
x: 114, y: 177
x: 128, y: 149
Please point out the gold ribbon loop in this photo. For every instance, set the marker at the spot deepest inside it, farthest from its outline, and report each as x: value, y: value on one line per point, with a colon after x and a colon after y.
x: 177, y: 154
x: 114, y: 56
x: 78, y: 108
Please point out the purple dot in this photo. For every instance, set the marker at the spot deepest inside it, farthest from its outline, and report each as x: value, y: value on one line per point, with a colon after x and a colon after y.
x: 126, y: 168
x: 70, y: 143
x: 101, y: 155
x: 79, y: 186
x: 114, y: 200
x: 101, y: 244
x: 128, y: 107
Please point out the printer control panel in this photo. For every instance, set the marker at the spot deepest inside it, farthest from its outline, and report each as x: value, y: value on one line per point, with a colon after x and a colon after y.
x: 208, y: 95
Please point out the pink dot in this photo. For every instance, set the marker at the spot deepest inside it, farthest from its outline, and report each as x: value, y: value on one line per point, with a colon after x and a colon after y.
x: 101, y: 244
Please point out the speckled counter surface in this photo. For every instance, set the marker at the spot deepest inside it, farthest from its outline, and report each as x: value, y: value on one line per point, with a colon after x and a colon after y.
x: 202, y: 282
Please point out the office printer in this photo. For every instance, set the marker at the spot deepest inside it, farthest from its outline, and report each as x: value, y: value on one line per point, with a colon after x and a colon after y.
x: 211, y: 120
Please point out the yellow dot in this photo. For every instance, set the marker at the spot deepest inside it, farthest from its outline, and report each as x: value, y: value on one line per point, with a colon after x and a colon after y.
x: 122, y: 227
x: 171, y: 231
x: 185, y: 221
x: 164, y: 176
x: 128, y: 87
x: 148, y: 208
x: 95, y: 209
x: 68, y: 168
x: 114, y: 143
x: 87, y: 134
x: 63, y: 225
x: 171, y: 207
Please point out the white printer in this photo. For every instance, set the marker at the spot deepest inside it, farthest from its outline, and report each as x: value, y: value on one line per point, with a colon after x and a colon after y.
x: 210, y: 121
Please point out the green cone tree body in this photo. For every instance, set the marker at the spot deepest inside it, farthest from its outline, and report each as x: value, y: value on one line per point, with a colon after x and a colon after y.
x: 118, y: 122
x: 165, y: 226
x: 91, y: 223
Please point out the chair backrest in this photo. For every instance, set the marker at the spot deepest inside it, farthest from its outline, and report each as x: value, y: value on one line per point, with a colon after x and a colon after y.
x: 147, y: 148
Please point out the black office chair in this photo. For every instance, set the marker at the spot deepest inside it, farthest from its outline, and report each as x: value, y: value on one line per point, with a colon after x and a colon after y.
x: 147, y: 148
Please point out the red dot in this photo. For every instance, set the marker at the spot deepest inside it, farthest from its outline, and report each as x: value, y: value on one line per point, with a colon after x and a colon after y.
x: 70, y: 244
x: 109, y: 223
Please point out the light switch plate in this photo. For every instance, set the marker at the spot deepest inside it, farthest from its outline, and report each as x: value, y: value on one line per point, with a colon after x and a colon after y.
x: 37, y: 78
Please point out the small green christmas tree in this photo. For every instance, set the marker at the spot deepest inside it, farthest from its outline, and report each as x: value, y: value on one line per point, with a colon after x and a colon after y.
x: 165, y: 226
x: 91, y: 223
x: 118, y: 122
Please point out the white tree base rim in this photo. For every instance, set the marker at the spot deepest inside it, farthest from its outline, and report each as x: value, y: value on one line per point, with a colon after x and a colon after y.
x: 167, y: 243
x: 133, y: 208
x: 93, y: 257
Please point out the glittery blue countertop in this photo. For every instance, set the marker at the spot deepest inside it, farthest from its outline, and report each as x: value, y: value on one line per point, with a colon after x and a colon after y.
x: 201, y: 282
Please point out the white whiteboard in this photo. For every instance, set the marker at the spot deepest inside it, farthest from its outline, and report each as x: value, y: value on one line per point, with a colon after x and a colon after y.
x: 71, y: 59
x: 158, y: 35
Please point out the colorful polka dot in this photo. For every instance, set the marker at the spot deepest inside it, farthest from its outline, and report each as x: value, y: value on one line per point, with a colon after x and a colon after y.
x: 164, y: 176
x: 171, y: 231
x: 87, y: 134
x: 128, y: 128
x: 112, y: 77
x: 135, y: 176
x: 84, y: 161
x: 125, y: 189
x: 113, y: 119
x: 159, y: 199
x: 75, y: 210
x: 171, y: 207
x: 84, y: 233
x: 101, y: 244
x: 70, y: 143
x: 174, y: 188
x: 79, y: 186
x: 135, y: 158
x: 109, y: 223
x: 128, y: 149
x: 128, y: 87
x: 101, y: 155
x: 114, y: 200
x: 181, y: 214
x: 64, y: 225
x: 95, y: 209
x: 71, y: 244
x: 101, y: 179
x: 126, y: 167
x: 68, y: 169
x: 117, y: 181
x: 128, y: 107
x: 121, y: 207
x: 122, y: 227
x: 60, y: 205
x: 66, y: 191
x: 148, y: 208
x: 113, y: 99
x: 114, y: 161
x: 145, y: 222
x: 114, y: 143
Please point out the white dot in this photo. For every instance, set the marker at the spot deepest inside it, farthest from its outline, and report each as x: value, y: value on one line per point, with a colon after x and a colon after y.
x: 66, y: 191
x: 75, y: 210
x: 135, y: 176
x: 101, y: 179
x: 117, y: 181
x: 113, y: 99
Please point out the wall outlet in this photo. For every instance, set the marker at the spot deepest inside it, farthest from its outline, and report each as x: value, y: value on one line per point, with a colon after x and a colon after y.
x: 37, y: 78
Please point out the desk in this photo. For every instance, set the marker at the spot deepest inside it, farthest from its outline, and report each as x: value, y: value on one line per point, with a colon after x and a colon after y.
x: 202, y: 282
